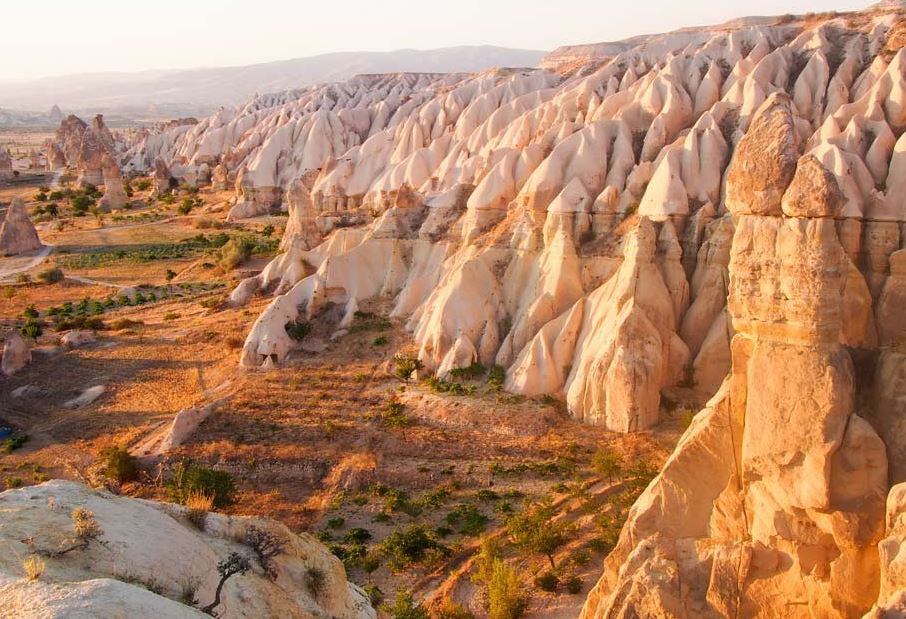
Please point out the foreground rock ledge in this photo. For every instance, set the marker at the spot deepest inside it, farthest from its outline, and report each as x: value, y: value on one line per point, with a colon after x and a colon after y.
x: 148, y: 545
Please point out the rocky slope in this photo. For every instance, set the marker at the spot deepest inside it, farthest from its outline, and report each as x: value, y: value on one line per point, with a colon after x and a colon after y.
x: 147, y: 558
x: 674, y: 210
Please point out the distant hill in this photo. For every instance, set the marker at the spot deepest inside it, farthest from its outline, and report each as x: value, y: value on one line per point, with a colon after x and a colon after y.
x: 199, y: 91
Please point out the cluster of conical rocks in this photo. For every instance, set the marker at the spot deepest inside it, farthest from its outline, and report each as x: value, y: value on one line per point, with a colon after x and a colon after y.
x: 718, y: 208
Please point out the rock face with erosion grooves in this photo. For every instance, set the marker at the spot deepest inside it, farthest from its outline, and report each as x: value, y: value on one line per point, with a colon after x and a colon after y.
x: 141, y: 542
x: 748, y: 518
x: 84, y: 147
x: 715, y: 211
x: 17, y: 232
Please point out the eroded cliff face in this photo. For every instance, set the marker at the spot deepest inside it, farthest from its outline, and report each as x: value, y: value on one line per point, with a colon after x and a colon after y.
x: 514, y: 217
x: 720, y: 209
x: 773, y: 502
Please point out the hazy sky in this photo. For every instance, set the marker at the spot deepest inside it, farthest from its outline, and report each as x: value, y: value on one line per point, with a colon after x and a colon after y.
x: 55, y: 37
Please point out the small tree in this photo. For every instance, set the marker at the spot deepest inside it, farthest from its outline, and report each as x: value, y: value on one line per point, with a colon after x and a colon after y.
x: 266, y: 545
x: 406, y: 365
x: 229, y: 567
x: 535, y: 530
x: 170, y: 275
x: 406, y: 607
x: 606, y: 463
x: 506, y: 598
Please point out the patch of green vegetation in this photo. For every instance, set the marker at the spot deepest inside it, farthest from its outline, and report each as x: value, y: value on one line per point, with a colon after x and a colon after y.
x: 192, y: 478
x: 119, y: 464
x: 405, y: 366
x: 468, y: 518
x: 470, y: 372
x: 365, y: 321
x: 13, y: 443
x: 439, y: 385
x: 536, y: 530
x: 405, y: 547
x: 298, y: 329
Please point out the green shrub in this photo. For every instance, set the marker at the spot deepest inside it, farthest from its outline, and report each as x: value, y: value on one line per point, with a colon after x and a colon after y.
x: 119, y: 464
x: 32, y: 328
x: 574, y: 585
x: 13, y: 443
x: 535, y: 530
x: 335, y: 522
x: 189, y: 478
x: 468, y: 373
x: 606, y: 463
x: 186, y: 207
x: 406, y: 547
x: 235, y: 252
x: 547, y: 581
x: 394, y: 415
x: 51, y: 275
x: 374, y: 594
x: 357, y: 536
x: 406, y: 365
x: 451, y: 610
x: 297, y: 329
x: 506, y: 598
x: 380, y: 341
x: 30, y: 312
x: 469, y: 519
x: 496, y: 377
x: 406, y: 607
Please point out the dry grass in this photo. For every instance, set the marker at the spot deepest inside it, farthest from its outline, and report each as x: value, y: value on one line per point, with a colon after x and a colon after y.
x: 33, y: 566
x: 198, y: 504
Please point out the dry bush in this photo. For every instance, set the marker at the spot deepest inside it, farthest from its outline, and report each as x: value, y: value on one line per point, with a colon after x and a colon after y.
x: 33, y: 567
x: 198, y: 505
x: 234, y: 342
x: 84, y: 524
x: 206, y: 223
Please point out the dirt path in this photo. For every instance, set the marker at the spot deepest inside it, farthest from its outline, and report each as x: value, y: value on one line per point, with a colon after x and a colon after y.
x: 24, y: 263
x: 95, y: 282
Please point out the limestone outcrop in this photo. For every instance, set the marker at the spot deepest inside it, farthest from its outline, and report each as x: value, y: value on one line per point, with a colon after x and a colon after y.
x: 17, y: 232
x: 747, y: 518
x: 114, y: 194
x: 147, y: 555
x: 715, y: 211
x: 16, y: 354
x: 84, y: 147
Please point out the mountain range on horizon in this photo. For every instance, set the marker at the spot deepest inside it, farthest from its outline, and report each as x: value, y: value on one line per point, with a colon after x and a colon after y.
x: 166, y: 93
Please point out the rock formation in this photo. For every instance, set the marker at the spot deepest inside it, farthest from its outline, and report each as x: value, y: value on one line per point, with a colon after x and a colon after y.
x: 147, y: 543
x: 16, y: 354
x: 84, y: 147
x: 6, y: 165
x: 163, y: 182
x: 742, y: 521
x: 17, y: 232
x: 114, y: 194
x: 718, y: 208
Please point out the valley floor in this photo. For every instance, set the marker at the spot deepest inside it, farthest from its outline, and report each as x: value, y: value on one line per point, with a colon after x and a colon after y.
x: 331, y: 443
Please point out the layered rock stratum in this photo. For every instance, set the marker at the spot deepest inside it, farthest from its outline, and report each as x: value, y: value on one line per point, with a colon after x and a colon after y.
x: 719, y: 209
